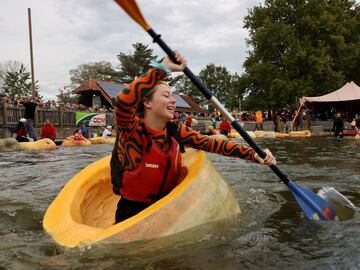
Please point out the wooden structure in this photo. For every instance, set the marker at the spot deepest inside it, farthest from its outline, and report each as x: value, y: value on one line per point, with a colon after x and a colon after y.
x: 92, y: 91
x: 10, y: 115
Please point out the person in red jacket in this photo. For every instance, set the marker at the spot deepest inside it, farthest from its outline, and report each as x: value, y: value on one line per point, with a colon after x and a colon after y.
x: 188, y: 121
x: 48, y: 130
x: 224, y: 127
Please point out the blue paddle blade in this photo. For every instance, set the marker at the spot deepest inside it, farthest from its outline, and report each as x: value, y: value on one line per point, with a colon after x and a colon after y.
x: 314, y: 207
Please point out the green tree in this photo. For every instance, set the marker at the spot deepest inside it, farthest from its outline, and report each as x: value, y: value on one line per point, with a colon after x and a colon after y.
x: 219, y: 81
x: 135, y: 64
x: 8, y: 66
x: 184, y: 86
x: 65, y: 95
x: 301, y: 48
x: 239, y: 86
x: 17, y: 84
x: 102, y: 70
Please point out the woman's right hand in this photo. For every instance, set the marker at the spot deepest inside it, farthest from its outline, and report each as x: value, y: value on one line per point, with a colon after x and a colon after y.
x: 175, y: 67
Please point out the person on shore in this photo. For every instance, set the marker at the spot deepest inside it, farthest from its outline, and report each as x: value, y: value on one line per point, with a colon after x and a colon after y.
x: 283, y: 121
x: 225, y: 127
x: 30, y: 108
x: 353, y: 124
x: 259, y: 120
x: 107, y: 133
x: 338, y: 126
x: 188, y: 121
x: 48, y: 130
x: 20, y: 132
x: 146, y: 154
x: 275, y: 119
x: 214, y: 118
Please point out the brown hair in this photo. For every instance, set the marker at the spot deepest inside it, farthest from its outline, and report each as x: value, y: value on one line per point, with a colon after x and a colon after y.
x: 140, y: 110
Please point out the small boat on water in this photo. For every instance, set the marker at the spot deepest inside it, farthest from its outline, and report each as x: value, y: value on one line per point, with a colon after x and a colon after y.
x: 294, y: 134
x: 83, y: 212
x: 9, y: 144
x: 300, y: 134
x: 100, y: 140
x: 43, y: 144
x: 72, y: 143
x: 350, y: 132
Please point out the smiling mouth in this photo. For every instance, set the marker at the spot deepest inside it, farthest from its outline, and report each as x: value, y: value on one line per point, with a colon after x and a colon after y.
x: 172, y: 109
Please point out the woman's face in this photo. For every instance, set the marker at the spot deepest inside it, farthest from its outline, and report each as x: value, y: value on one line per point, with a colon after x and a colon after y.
x: 162, y: 104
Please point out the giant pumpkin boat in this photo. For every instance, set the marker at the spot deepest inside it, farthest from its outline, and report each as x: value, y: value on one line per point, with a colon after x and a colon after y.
x: 72, y: 143
x: 83, y: 212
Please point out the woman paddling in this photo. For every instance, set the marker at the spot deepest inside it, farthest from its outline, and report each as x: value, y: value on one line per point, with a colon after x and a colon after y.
x: 146, y: 155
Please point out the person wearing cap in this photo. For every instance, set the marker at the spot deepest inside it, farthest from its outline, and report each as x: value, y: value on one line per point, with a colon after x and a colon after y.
x: 107, y: 132
x: 20, y: 132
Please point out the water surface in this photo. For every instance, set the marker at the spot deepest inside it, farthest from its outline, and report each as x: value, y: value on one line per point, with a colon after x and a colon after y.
x: 271, y: 232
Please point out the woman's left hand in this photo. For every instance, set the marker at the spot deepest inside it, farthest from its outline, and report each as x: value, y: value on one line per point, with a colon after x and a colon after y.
x: 180, y: 66
x: 268, y: 160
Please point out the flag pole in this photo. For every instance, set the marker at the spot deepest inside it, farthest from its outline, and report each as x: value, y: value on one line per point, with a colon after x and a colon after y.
x: 31, y: 56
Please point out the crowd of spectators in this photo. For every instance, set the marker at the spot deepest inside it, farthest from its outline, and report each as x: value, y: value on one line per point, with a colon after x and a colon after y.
x: 53, y: 105
x: 283, y: 119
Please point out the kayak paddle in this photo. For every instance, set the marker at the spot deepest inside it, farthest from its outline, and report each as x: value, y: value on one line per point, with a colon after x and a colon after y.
x: 314, y: 207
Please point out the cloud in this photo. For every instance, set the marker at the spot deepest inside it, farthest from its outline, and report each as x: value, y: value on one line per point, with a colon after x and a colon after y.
x: 69, y: 33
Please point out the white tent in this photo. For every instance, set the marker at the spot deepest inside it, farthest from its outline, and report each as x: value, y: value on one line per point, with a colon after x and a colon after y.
x: 349, y: 92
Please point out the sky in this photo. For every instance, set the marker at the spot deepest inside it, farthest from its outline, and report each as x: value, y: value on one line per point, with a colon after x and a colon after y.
x: 69, y: 33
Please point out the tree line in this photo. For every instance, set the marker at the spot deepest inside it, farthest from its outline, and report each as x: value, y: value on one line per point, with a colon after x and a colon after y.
x: 223, y: 84
x: 296, y: 48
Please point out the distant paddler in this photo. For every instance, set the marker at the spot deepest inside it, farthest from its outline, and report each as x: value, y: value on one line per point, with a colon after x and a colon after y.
x: 77, y: 139
x: 21, y: 131
x: 108, y: 132
x: 146, y: 156
x: 209, y: 132
x: 77, y: 135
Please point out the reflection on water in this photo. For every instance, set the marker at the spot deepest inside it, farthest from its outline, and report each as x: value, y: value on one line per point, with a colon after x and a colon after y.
x: 271, y: 232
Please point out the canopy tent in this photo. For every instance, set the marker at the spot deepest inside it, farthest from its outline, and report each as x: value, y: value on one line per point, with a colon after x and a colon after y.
x: 350, y: 91
x: 346, y: 100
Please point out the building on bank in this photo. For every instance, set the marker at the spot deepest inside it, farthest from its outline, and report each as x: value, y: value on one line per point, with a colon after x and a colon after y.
x: 103, y: 93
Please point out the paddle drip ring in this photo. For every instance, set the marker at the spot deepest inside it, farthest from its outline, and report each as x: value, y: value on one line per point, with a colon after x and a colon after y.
x: 156, y: 38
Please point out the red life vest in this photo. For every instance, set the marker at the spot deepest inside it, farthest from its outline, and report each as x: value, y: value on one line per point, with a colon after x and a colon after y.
x: 48, y: 131
x: 224, y: 125
x: 77, y: 137
x: 213, y: 132
x: 22, y: 132
x: 155, y: 177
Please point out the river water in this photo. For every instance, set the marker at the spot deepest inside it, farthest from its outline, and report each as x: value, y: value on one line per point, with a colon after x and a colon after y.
x: 271, y: 232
